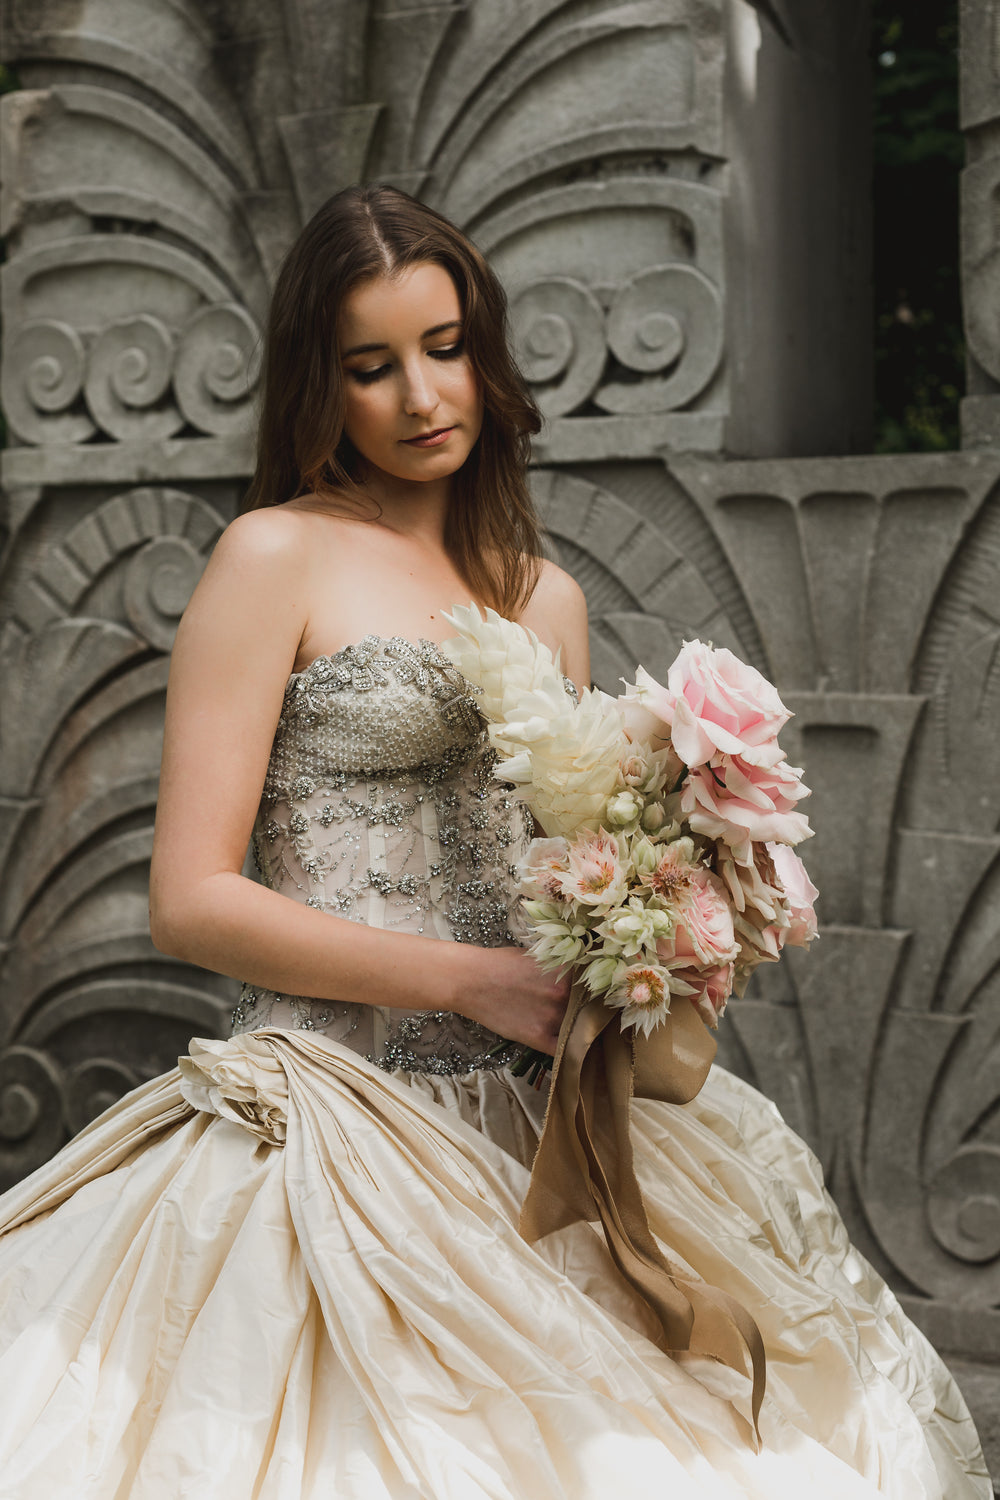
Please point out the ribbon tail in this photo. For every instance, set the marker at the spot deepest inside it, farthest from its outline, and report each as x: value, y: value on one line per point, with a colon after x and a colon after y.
x: 585, y: 1169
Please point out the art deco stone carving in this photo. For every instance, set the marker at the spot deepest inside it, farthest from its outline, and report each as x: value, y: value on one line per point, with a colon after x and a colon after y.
x: 89, y: 1009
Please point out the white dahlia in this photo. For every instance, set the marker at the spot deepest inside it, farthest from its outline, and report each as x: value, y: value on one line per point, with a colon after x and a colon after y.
x: 505, y: 660
x: 565, y: 756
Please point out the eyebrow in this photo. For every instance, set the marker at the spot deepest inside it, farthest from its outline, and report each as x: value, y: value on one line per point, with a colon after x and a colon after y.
x: 427, y: 334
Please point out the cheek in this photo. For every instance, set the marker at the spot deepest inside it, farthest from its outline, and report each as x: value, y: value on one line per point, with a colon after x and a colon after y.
x: 466, y: 391
x: 362, y: 413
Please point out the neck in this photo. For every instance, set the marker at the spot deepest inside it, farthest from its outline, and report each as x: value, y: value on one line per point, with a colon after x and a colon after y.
x: 417, y: 510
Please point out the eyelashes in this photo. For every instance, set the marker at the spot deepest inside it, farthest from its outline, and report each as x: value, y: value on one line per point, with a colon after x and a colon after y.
x: 369, y: 377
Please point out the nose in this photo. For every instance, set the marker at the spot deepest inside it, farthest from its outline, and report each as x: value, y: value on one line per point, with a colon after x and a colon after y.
x: 419, y: 396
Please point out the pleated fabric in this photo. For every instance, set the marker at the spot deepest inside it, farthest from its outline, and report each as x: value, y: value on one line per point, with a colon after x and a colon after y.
x: 280, y: 1273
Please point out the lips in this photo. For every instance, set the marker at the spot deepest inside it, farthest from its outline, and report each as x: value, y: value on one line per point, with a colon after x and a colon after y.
x: 429, y: 439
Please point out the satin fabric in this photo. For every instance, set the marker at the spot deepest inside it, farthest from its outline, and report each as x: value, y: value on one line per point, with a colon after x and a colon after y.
x: 279, y: 1272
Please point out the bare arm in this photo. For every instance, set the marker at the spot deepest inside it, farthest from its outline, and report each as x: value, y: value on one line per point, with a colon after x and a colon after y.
x: 234, y: 650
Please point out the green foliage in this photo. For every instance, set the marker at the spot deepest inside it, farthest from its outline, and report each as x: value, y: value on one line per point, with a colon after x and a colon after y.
x: 918, y: 153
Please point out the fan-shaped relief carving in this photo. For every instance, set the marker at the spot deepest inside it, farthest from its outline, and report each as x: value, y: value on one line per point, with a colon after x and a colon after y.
x: 841, y: 563
x: 80, y: 740
x: 932, y: 1171
x: 517, y: 122
x: 122, y: 160
x: 644, y: 594
x: 131, y: 315
x: 167, y: 54
x: 519, y: 92
x: 954, y: 781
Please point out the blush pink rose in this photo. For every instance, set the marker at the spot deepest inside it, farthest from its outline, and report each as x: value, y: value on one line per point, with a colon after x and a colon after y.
x: 646, y: 708
x: 722, y: 705
x: 740, y: 802
x: 800, y: 893
x: 711, y: 988
x: 704, y: 923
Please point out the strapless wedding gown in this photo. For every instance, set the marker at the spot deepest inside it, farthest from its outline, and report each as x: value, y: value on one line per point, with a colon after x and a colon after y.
x: 291, y: 1268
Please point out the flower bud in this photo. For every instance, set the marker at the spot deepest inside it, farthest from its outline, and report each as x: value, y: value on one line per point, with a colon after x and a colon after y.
x: 603, y: 974
x: 645, y: 856
x: 653, y: 818
x: 623, y: 808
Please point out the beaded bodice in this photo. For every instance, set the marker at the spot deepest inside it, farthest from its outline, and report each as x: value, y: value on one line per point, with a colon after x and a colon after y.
x: 379, y: 806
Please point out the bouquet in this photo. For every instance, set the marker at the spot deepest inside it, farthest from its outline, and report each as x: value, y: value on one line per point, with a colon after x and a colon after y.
x: 667, y: 872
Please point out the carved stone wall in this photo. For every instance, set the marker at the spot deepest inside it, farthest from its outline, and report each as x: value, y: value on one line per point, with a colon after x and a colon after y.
x: 675, y: 194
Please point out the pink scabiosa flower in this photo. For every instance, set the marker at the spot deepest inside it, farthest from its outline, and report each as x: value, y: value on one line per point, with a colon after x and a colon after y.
x: 800, y: 893
x: 596, y: 875
x: 672, y: 876
x: 642, y: 994
x: 542, y: 867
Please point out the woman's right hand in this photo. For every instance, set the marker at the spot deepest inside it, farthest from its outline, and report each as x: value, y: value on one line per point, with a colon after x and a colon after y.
x: 505, y: 990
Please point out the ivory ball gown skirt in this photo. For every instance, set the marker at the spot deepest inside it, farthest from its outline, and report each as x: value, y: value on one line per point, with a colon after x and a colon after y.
x: 291, y: 1268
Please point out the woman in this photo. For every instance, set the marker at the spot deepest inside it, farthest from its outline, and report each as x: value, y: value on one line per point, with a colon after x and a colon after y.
x: 292, y: 1267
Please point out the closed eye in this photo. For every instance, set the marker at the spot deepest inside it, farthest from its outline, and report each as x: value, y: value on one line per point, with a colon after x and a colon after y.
x: 368, y: 377
x: 450, y: 351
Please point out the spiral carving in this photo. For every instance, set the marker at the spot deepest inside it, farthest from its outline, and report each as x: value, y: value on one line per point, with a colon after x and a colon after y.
x: 667, y: 318
x: 963, y: 1204
x: 128, y: 379
x: 92, y: 1087
x: 158, y: 584
x: 558, y: 327
x: 42, y: 379
x: 30, y: 1111
x: 216, y: 369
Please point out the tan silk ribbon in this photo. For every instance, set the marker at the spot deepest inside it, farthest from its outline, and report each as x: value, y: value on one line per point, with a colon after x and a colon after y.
x: 584, y: 1169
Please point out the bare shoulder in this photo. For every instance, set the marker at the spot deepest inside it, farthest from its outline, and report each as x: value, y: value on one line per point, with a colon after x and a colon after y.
x: 556, y: 589
x: 557, y: 601
x: 273, y: 534
x: 557, y: 613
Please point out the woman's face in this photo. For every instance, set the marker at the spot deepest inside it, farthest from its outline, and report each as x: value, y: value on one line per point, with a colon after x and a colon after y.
x: 413, y: 404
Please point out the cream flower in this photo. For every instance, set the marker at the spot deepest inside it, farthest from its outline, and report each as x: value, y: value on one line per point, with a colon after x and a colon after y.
x: 647, y: 709
x: 505, y: 660
x: 671, y: 875
x: 558, y: 940
x: 603, y: 973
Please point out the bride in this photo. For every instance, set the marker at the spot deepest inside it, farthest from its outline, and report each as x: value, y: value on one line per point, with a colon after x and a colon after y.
x: 291, y: 1267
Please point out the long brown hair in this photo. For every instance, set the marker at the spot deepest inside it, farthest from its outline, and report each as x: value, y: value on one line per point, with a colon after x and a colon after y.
x: 492, y: 532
